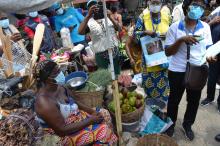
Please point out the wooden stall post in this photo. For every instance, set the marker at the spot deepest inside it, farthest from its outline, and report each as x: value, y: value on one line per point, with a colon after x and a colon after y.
x: 115, y: 82
x: 117, y: 111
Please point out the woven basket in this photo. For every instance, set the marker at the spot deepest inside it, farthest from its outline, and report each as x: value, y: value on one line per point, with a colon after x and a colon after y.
x: 156, y: 140
x: 90, y: 99
x: 131, y: 117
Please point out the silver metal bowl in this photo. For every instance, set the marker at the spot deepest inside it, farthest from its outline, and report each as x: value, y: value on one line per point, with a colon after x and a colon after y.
x: 76, y: 82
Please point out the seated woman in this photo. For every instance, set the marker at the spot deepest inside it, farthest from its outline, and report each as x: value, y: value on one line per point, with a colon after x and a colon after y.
x: 59, y: 114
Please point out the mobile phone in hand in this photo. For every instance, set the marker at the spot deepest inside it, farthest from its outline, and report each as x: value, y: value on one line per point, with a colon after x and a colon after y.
x: 198, y: 38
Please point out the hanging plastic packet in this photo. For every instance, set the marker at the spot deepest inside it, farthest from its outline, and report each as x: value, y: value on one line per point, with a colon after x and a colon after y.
x: 66, y: 38
x: 153, y: 122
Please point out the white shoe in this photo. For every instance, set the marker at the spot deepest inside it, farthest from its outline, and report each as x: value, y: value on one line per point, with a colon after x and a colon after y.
x: 218, y: 87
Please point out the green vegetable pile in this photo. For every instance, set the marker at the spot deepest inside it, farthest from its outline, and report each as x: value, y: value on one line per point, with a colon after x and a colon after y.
x: 101, y: 78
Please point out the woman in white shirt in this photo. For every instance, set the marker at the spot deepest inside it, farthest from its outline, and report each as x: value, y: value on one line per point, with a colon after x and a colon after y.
x: 179, y: 34
x: 94, y: 25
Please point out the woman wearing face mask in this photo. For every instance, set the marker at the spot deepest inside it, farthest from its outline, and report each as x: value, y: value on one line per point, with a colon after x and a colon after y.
x: 154, y: 22
x: 33, y: 20
x: 8, y: 29
x: 69, y: 18
x: 16, y: 42
x: 60, y: 114
x: 181, y: 34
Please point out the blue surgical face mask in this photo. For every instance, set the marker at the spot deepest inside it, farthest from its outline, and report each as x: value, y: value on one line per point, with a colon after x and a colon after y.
x: 195, y: 12
x: 60, y: 79
x: 33, y: 14
x: 4, y: 23
x: 60, y: 11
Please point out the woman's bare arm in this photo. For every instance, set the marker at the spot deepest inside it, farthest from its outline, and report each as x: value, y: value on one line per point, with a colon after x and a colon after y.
x: 49, y: 112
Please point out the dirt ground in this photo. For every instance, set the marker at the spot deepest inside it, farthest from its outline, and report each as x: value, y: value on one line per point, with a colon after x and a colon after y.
x: 207, y: 125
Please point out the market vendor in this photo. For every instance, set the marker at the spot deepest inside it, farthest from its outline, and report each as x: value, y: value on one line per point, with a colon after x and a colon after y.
x: 94, y: 25
x: 70, y: 120
x: 154, y: 22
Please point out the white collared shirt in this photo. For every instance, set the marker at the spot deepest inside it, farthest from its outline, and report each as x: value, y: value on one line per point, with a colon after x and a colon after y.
x: 197, y: 52
x: 100, y: 42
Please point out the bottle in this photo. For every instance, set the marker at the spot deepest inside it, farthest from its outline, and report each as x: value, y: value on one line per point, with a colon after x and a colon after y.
x: 66, y: 38
x: 89, y: 51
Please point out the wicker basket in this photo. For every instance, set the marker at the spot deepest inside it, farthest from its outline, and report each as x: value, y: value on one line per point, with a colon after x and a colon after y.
x: 90, y: 99
x: 131, y: 117
x: 156, y: 140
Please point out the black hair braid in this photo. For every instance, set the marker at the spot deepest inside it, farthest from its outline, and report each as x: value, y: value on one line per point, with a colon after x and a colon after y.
x: 43, y: 71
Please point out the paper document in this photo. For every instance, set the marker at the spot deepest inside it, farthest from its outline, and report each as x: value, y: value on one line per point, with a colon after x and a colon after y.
x: 212, y: 51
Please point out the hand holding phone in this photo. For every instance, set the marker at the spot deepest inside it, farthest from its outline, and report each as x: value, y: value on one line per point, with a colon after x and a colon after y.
x: 198, y: 38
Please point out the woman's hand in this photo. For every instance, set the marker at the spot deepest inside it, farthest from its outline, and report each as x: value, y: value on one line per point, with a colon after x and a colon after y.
x: 150, y: 33
x: 215, y: 20
x: 211, y: 59
x: 16, y: 37
x: 189, y: 40
x: 91, y: 11
x: 97, y: 118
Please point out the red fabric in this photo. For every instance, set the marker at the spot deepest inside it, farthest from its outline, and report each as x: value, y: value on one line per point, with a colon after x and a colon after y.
x: 29, y: 31
x: 21, y: 23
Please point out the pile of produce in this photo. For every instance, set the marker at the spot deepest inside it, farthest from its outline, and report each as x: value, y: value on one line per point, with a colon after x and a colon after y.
x: 125, y: 80
x: 19, y: 129
x: 9, y: 103
x: 59, y: 56
x: 97, y: 81
x: 129, y: 102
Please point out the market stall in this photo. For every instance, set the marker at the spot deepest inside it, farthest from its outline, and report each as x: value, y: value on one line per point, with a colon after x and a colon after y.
x: 122, y: 96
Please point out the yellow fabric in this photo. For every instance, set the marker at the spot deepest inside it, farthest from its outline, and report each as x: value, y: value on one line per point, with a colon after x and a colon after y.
x: 161, y: 28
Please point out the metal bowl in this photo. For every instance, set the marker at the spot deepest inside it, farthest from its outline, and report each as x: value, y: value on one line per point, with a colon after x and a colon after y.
x: 76, y: 82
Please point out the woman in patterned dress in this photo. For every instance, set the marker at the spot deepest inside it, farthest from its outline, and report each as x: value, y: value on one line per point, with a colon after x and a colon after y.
x: 153, y: 21
x: 60, y: 114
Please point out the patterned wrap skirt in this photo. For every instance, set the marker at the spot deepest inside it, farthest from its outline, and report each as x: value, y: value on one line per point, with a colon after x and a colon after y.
x: 156, y: 84
x: 95, y: 135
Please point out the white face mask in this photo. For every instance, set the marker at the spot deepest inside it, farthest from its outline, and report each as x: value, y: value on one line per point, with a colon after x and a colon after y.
x: 60, y: 79
x: 4, y: 23
x: 33, y: 14
x: 155, y: 8
x: 60, y: 11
